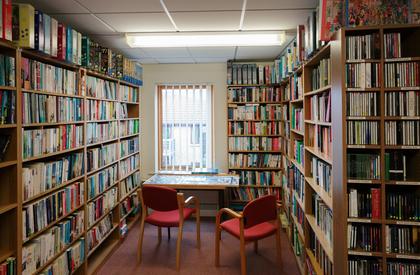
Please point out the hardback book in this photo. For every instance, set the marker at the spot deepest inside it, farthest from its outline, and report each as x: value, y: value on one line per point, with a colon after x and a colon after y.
x: 331, y: 17
x: 74, y: 50
x: 61, y: 41
x: 300, y: 43
x: 6, y: 13
x: 79, y: 48
x: 54, y: 35
x: 25, y: 17
x: 85, y: 52
x: 39, y: 31
x: 69, y: 44
x: 104, y: 60
x: 47, y: 34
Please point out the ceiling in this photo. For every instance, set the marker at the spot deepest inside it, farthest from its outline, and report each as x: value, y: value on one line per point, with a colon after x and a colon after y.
x: 107, y: 21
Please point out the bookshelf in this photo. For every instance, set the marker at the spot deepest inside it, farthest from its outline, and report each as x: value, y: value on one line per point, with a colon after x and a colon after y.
x: 254, y: 120
x: 63, y: 117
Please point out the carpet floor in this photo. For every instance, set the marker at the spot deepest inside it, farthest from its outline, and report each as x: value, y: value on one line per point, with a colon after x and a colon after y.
x: 159, y: 258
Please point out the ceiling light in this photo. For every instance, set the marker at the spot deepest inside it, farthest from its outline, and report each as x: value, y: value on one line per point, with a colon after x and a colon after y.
x: 203, y: 39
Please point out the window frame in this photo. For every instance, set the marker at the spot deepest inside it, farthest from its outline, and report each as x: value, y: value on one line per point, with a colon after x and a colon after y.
x: 159, y: 141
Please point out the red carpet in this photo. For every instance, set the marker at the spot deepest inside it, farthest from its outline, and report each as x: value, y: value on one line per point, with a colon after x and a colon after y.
x: 159, y: 259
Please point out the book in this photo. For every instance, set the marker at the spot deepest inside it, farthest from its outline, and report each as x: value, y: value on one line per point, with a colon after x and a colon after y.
x: 364, y: 104
x: 129, y: 146
x: 402, y: 205
x: 61, y: 41
x: 249, y: 193
x: 6, y: 14
x: 4, y: 145
x: 86, y: 61
x: 8, y: 267
x: 69, y: 44
x: 254, y: 143
x: 7, y: 107
x: 402, y: 133
x: 260, y: 178
x: 101, y: 110
x: 101, y: 205
x: 321, y: 74
x: 331, y: 17
x: 101, y: 89
x: 402, y: 104
x: 128, y: 165
x: 47, y: 34
x: 99, y: 182
x: 100, y: 132
x: 54, y: 37
x: 297, y: 118
x: 323, y: 217
x: 402, y: 239
x: 363, y: 166
x: 253, y: 128
x: 364, y: 237
x: 24, y: 16
x: 39, y: 30
x: 129, y: 184
x: 360, y: 265
x: 363, y: 47
x: 101, y: 156
x: 319, y: 253
x: 394, y: 266
x: 363, y: 132
x: 129, y: 127
x: 362, y: 75
x: 402, y: 74
x: 320, y: 172
x: 364, y: 203
x: 254, y: 112
x: 129, y: 94
x: 99, y: 231
x: 254, y: 160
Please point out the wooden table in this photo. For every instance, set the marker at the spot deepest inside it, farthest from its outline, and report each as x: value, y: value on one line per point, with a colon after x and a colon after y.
x: 218, y: 182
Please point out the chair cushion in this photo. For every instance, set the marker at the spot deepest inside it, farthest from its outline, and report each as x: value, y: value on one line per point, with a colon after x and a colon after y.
x: 168, y: 218
x: 253, y: 233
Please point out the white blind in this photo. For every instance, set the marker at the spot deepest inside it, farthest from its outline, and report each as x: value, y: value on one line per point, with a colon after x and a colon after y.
x: 186, y: 130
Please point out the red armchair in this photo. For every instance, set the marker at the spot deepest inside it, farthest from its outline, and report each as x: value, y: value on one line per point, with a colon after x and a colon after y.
x: 258, y: 220
x: 169, y: 210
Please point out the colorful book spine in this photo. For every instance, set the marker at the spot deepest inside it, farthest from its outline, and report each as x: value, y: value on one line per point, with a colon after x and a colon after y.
x: 102, y: 205
x: 129, y: 146
x: 100, y: 132
x: 129, y: 94
x: 254, y: 143
x: 54, y: 37
x: 254, y: 160
x: 101, y: 110
x: 130, y: 183
x: 128, y: 165
x: 8, y: 267
x: 61, y: 41
x: 99, y: 231
x: 99, y: 157
x: 101, y: 181
x: 129, y: 127
x: 101, y: 89
x: 25, y: 18
x: 6, y: 11
x: 7, y: 107
x: 254, y: 128
x: 254, y: 112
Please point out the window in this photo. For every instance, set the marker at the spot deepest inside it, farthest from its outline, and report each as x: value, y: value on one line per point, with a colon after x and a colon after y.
x: 185, y: 127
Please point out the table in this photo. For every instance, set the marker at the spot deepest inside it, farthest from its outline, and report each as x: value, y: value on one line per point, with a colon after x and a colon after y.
x: 219, y: 182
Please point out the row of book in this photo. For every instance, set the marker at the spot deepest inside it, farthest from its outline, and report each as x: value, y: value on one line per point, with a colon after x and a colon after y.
x: 296, y: 87
x: 129, y: 94
x: 403, y: 206
x: 101, y: 205
x: 297, y: 118
x: 99, y: 157
x: 254, y: 94
x: 43, y: 248
x: 250, y: 193
x: 254, y: 112
x: 101, y: 110
x: 320, y: 107
x: 69, y: 261
x: 402, y: 133
x: 362, y: 104
x: 99, y: 182
x: 395, y: 165
x: 363, y: 132
x: 7, y: 107
x: 128, y: 165
x: 8, y: 267
x: 38, y: 215
x: 365, y: 266
x: 320, y: 255
x: 402, y: 239
x: 7, y: 71
x: 364, y: 237
x: 363, y: 166
x: 402, y: 268
x: 405, y: 103
x: 39, y: 108
x: 129, y: 184
x: 320, y: 139
x: 392, y: 45
x: 99, y: 132
x: 298, y: 151
x: 129, y: 206
x: 40, y: 76
x: 254, y: 143
x: 363, y: 47
x: 260, y: 178
x: 247, y: 74
x: 402, y: 74
x: 320, y: 172
x: 254, y: 128
x: 364, y: 203
x: 363, y: 75
x: 298, y: 212
x: 40, y: 177
x: 323, y: 217
x: 100, y: 88
x: 99, y: 231
x: 254, y: 160
x: 129, y: 127
x: 129, y: 146
x: 49, y: 140
x: 291, y: 58
x: 298, y: 183
x: 321, y: 74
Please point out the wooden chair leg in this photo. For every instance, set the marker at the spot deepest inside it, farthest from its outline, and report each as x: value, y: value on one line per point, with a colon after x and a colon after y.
x: 243, y: 257
x: 159, y: 233
x: 197, y: 222
x: 217, y: 246
x: 169, y: 233
x: 178, y: 246
x: 140, y: 242
x: 278, y: 244
x: 256, y: 247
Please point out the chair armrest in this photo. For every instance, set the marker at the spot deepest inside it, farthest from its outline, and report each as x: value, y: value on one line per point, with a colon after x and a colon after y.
x: 230, y: 212
x: 192, y: 199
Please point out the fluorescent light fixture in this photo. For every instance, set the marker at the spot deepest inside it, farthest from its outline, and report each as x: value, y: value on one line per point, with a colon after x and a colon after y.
x: 204, y: 39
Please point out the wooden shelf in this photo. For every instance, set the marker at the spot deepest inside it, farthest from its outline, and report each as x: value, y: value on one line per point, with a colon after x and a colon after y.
x: 363, y: 181
x: 318, y: 91
x: 103, y: 167
x: 402, y: 59
x: 320, y: 236
x: 375, y: 89
x: 101, y: 142
x: 5, y: 164
x: 130, y: 136
x: 251, y: 151
x: 368, y: 146
x: 401, y: 89
x: 313, y: 261
x: 254, y: 102
x: 255, y: 168
x: 402, y: 222
x: 363, y: 118
x: 115, y: 184
x: 102, y: 241
x: 363, y: 61
x: 321, y: 193
x: 7, y: 208
x: 250, y: 135
x: 52, y: 154
x: 129, y: 173
x: 403, y: 256
x: 321, y: 123
x: 102, y: 120
x: 102, y: 99
x: 27, y: 125
x: 298, y: 226
x: 51, y: 93
x: 4, y: 126
x: 299, y: 100
x: 365, y: 253
x: 8, y: 88
x: 129, y: 155
x: 402, y: 118
x: 298, y: 166
x: 319, y: 155
x: 98, y: 220
x: 391, y: 182
x: 6, y: 254
x: 363, y: 220
x: 253, y: 120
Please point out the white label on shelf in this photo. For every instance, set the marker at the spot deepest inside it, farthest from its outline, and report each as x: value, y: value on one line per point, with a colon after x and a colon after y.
x: 398, y: 59
x: 360, y: 181
x: 412, y: 257
x: 407, y: 223
x: 360, y: 253
x: 356, y: 146
x: 409, y: 88
x: 359, y: 220
x: 408, y: 182
x: 409, y: 147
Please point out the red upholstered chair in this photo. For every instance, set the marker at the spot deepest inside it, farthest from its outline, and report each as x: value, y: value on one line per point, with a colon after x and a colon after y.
x: 258, y: 220
x: 169, y: 210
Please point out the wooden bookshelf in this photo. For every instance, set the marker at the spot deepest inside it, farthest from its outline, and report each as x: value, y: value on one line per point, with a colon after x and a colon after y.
x: 12, y: 201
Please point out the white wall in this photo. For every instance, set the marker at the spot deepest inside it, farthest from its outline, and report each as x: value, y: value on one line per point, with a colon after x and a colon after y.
x: 154, y: 74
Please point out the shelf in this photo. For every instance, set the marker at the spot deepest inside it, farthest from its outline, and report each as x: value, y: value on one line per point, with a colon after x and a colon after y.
x: 101, y: 142
x: 51, y: 93
x: 98, y: 220
x: 321, y: 193
x: 103, y: 167
x: 7, y: 126
x: 402, y: 147
x: 318, y: 91
x: 251, y: 151
x: 399, y: 222
x: 102, y: 120
x: 105, y: 250
x: 401, y: 59
x: 7, y: 208
x: 414, y: 183
x: 376, y: 89
x: 129, y: 155
x: 320, y: 54
x: 100, y: 75
x: 403, y: 256
x: 254, y: 168
x: 115, y: 184
x: 319, y: 155
x: 299, y: 100
x: 253, y: 120
x: 363, y: 61
x: 253, y: 85
x: 260, y: 186
x: 363, y: 181
x: 5, y: 164
x: 6, y: 254
x: 8, y: 88
x: 27, y: 125
x: 302, y: 206
x: 128, y: 214
x: 129, y: 118
x: 254, y: 102
x: 129, y: 174
x: 254, y: 135
x: 321, y: 123
x: 129, y: 102
x: 301, y: 133
x: 401, y: 89
x: 363, y: 220
x: 402, y: 118
x: 130, y: 136
x: 363, y: 118
x: 298, y: 165
x: 320, y: 236
x: 52, y: 190
x: 52, y: 154
x: 368, y: 146
x: 101, y: 99
x: 298, y: 226
x: 364, y: 253
x: 314, y: 262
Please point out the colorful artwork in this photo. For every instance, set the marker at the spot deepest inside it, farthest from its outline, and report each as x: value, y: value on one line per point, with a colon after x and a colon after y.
x: 331, y: 17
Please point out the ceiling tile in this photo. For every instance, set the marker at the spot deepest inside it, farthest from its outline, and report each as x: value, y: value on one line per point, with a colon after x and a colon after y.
x: 100, y: 6
x: 135, y: 53
x: 112, y: 41
x: 85, y: 23
x: 56, y: 6
x: 147, y: 60
x: 228, y: 52
x: 167, y: 52
x: 175, y: 60
x: 274, y: 20
x: 281, y: 4
x: 203, y: 5
x: 207, y: 21
x: 211, y: 59
x: 138, y: 22
x: 267, y: 52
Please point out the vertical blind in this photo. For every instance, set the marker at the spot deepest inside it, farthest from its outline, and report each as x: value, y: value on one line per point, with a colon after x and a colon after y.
x: 185, y: 127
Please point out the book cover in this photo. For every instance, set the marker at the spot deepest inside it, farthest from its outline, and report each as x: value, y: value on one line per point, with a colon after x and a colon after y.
x: 39, y: 30
x: 79, y: 48
x: 54, y: 36
x: 86, y: 51
x: 47, y: 34
x: 61, y: 41
x: 74, y: 49
x: 26, y: 28
x: 376, y: 203
x: 69, y: 44
x: 6, y: 13
x: 331, y: 17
